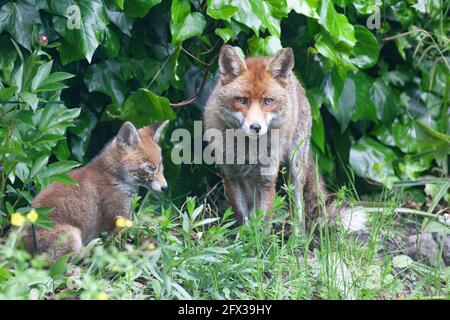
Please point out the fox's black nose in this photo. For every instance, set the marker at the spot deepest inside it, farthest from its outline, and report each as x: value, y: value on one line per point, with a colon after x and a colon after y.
x: 164, y: 188
x: 255, y: 127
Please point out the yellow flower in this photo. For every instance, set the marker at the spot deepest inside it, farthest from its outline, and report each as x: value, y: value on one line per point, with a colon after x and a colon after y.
x: 128, y: 223
x: 120, y: 222
x: 17, y: 219
x: 151, y: 246
x: 32, y: 215
x: 102, y: 296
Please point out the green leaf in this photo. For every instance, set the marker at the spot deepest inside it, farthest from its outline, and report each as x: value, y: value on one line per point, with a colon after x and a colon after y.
x: 59, y: 267
x: 185, y: 24
x: 56, y: 86
x: 7, y: 93
x: 144, y: 107
x: 224, y: 33
x: 18, y: 18
x: 219, y: 9
x: 139, y: 8
x: 337, y: 25
x: 106, y: 77
x: 345, y: 104
x: 264, y: 47
x: 364, y: 108
x: 386, y: 101
x: 57, y: 168
x: 305, y: 7
x: 325, y: 46
x: 120, y: 19
x: 22, y: 172
x: 54, y: 78
x: 63, y: 178
x: 370, y: 159
x: 30, y: 99
x: 270, y: 12
x: 366, y: 51
x: 42, y: 73
x: 246, y: 16
x: 8, y: 55
x: 78, y: 43
x: 39, y: 165
x: 111, y: 43
x: 366, y: 6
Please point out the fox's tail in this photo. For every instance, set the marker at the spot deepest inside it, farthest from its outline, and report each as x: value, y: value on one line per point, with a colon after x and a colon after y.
x: 353, y: 218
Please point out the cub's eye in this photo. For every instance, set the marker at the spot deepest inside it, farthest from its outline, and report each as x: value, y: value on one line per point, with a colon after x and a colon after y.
x: 242, y: 100
x: 268, y: 101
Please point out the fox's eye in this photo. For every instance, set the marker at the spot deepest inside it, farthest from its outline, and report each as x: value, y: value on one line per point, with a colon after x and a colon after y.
x: 268, y: 101
x: 242, y: 100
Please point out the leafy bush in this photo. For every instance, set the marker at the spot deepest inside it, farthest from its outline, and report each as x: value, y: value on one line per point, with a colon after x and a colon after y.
x: 382, y: 94
x: 379, y: 99
x: 33, y: 126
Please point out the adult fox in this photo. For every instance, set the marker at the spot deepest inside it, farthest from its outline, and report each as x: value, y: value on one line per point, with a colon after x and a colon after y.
x: 262, y: 97
x: 103, y: 192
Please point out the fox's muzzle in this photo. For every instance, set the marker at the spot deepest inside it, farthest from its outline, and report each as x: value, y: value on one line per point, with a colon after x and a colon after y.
x: 159, y: 186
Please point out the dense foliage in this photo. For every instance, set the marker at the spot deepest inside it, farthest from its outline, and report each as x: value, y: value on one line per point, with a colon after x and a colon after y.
x: 71, y: 71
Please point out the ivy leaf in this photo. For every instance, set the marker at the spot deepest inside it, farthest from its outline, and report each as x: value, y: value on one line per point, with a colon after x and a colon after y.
x: 270, y: 13
x: 305, y: 7
x: 18, y: 18
x: 345, y: 105
x: 337, y: 25
x: 121, y: 20
x: 8, y: 55
x: 264, y: 46
x: 185, y: 24
x: 366, y: 6
x: 111, y: 43
x: 79, y: 43
x: 385, y: 100
x: 325, y: 46
x: 366, y: 51
x: 106, y: 77
x: 219, y: 9
x: 246, y: 16
x: 370, y: 159
x: 224, y: 33
x: 364, y: 108
x: 139, y: 8
x: 144, y: 107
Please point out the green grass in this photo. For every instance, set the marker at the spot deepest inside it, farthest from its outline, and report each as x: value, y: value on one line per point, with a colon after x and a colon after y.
x: 195, y: 252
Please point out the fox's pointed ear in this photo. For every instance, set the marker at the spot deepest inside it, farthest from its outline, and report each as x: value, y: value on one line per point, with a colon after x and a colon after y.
x: 282, y: 63
x: 230, y: 62
x: 128, y: 135
x: 157, y: 129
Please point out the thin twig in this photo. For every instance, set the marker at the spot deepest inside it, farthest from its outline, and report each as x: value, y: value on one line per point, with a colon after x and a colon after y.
x: 202, y: 84
x: 195, y: 96
x: 195, y: 58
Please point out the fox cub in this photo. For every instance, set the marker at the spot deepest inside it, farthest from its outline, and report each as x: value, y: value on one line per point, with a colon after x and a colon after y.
x: 261, y: 95
x: 103, y: 192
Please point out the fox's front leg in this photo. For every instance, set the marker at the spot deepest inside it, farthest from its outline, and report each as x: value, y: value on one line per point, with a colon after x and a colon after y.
x: 264, y: 196
x: 297, y: 178
x: 236, y: 195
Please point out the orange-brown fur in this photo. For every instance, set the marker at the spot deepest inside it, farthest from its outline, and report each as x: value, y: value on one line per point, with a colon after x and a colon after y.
x: 103, y: 192
x: 239, y: 101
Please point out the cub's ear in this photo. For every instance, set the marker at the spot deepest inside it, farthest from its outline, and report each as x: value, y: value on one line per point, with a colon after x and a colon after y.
x: 282, y: 63
x: 128, y: 135
x: 157, y: 128
x: 230, y: 62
